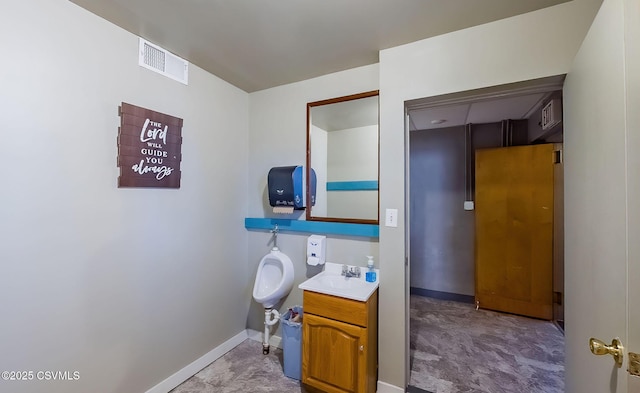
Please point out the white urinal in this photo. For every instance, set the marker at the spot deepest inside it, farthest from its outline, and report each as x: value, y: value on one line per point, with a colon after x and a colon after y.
x: 274, y: 279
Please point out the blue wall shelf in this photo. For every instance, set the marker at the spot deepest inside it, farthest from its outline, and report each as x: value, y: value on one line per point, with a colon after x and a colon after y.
x: 360, y: 185
x: 319, y: 227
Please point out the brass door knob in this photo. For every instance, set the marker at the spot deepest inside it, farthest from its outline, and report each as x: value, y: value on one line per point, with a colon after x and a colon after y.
x: 598, y: 347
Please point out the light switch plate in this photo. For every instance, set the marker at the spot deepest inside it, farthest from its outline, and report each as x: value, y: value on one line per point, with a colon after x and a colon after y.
x: 391, y: 218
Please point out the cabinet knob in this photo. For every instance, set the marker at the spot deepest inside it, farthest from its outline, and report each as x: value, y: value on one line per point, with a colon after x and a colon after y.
x: 361, y: 348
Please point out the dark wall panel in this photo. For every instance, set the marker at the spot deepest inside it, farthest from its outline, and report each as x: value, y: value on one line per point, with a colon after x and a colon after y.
x: 441, y: 230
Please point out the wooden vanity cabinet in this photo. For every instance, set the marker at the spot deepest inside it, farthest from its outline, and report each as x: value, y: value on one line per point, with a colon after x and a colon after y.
x: 340, y: 343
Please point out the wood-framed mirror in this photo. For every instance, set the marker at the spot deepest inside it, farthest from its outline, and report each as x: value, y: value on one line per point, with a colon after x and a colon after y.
x: 343, y: 149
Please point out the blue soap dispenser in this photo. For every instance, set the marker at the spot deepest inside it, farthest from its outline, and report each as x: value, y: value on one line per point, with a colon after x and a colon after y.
x: 370, y: 276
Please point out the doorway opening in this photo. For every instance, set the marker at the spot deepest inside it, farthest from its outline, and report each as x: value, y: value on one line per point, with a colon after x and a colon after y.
x: 444, y: 134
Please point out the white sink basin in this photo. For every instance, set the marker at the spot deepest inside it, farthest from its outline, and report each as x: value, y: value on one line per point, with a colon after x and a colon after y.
x: 331, y: 282
x: 340, y: 282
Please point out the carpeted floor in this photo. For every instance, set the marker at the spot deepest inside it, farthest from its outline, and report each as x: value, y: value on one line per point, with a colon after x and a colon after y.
x: 455, y: 348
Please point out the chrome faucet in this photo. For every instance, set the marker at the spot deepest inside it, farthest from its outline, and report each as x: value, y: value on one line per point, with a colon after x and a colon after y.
x: 353, y: 271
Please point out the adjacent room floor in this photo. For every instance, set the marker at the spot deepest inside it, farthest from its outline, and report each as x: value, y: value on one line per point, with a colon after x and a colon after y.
x: 455, y: 348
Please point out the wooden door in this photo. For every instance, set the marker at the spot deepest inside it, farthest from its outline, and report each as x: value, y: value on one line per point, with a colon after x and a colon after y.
x: 514, y: 230
x: 333, y: 355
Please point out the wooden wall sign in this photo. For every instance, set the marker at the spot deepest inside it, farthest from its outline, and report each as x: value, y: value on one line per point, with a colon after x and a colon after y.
x: 149, y: 148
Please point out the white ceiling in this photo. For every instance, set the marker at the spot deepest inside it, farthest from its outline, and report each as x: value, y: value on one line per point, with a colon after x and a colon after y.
x: 258, y: 44
x: 346, y: 114
x: 364, y: 112
x: 489, y: 111
x: 514, y: 101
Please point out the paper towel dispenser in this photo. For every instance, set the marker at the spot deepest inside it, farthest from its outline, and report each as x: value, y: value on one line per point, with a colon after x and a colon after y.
x: 286, y: 186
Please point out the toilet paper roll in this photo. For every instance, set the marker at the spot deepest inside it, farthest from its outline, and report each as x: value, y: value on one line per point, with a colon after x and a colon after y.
x: 313, y: 261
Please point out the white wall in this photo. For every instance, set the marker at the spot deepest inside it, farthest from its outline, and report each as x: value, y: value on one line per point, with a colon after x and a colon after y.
x: 319, y: 141
x: 360, y: 204
x: 278, y: 137
x: 533, y: 45
x: 353, y: 156
x: 125, y: 286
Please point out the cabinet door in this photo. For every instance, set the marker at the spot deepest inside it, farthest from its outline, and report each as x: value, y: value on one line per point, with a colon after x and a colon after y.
x: 333, y: 355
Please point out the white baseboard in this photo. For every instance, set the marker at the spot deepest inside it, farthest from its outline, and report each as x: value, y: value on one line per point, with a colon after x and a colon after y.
x: 384, y: 387
x: 255, y: 335
x: 191, y: 369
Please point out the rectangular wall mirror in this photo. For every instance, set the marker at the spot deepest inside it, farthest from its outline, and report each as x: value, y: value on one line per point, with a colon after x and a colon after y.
x: 343, y: 149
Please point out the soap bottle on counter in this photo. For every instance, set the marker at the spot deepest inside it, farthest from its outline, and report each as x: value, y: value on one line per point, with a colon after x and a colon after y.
x: 370, y: 276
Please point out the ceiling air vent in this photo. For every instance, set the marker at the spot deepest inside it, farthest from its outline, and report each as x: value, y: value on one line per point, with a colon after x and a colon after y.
x: 163, y: 62
x: 551, y: 114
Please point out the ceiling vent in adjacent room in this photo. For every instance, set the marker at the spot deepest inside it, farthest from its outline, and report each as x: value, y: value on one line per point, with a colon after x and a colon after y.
x: 551, y: 114
x: 163, y: 62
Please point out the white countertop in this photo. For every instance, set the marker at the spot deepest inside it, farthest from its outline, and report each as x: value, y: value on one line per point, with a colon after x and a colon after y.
x: 331, y: 282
